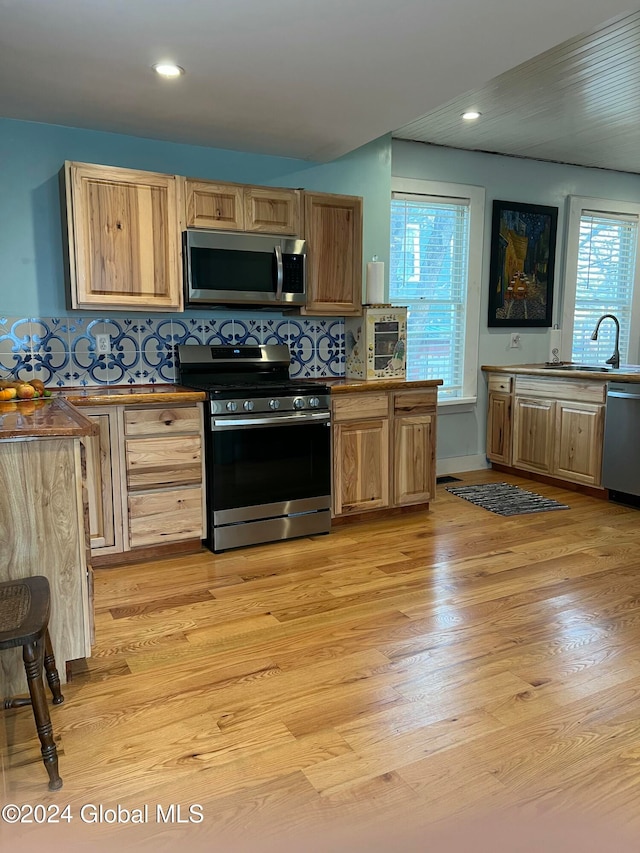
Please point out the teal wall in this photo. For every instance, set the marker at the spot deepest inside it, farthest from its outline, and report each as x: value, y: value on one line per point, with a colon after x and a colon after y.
x: 31, y: 155
x: 511, y: 179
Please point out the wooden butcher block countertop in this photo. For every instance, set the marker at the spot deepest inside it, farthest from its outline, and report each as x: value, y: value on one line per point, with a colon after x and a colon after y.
x: 52, y: 417
x: 119, y: 394
x: 350, y: 386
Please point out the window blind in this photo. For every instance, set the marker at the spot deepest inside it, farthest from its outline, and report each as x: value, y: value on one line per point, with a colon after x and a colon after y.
x: 606, y: 269
x: 428, y: 274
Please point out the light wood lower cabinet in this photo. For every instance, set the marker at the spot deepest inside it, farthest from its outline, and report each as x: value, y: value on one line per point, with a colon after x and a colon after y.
x: 383, y: 449
x: 42, y: 531
x: 361, y: 452
x: 499, y: 428
x: 414, y: 459
x: 533, y: 428
x: 145, y: 476
x: 103, y: 482
x: 547, y: 426
x: 579, y: 435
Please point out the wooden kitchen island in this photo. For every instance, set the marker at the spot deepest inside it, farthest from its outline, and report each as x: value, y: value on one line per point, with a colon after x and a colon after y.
x: 44, y: 523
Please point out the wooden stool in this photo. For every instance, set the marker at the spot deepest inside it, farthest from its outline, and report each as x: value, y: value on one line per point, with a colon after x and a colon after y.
x: 24, y: 617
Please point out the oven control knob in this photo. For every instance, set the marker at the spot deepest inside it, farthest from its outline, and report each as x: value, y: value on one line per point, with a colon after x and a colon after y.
x: 232, y: 406
x: 314, y: 402
x: 274, y: 404
x: 298, y: 403
x: 248, y: 405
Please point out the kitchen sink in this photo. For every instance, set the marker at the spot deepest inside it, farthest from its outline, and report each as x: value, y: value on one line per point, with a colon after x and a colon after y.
x: 595, y: 368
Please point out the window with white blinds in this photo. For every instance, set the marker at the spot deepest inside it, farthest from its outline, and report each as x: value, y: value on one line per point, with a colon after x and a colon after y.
x: 604, y: 284
x: 430, y: 274
x: 601, y: 278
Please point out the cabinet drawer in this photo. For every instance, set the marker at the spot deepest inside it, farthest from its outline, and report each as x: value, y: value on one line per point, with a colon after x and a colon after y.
x: 157, y: 462
x: 166, y: 516
x: 580, y: 390
x: 353, y: 407
x: 500, y: 383
x: 415, y: 402
x: 151, y: 421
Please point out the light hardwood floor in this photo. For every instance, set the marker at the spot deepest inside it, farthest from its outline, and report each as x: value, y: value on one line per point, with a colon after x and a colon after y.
x: 412, y: 669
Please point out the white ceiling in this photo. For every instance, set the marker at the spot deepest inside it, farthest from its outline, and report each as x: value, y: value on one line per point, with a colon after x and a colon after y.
x: 312, y: 79
x: 576, y: 103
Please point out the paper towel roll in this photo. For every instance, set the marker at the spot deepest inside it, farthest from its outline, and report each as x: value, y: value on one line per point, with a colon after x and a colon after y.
x: 555, y: 346
x: 375, y: 283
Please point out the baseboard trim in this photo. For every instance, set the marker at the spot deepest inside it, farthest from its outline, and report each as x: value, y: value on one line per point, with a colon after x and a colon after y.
x: 383, y: 512
x: 458, y: 464
x: 151, y: 552
x: 592, y: 491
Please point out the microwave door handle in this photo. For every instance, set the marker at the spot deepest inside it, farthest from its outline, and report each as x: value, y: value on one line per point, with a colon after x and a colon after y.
x: 279, y: 273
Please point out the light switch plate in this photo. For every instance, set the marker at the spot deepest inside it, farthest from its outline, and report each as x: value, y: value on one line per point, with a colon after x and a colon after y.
x: 515, y: 341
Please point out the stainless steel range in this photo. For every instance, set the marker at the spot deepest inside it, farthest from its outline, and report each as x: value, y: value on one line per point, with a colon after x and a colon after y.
x: 268, y: 447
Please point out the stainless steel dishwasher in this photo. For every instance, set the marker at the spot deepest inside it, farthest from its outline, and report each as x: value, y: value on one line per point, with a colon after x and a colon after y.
x: 621, y: 456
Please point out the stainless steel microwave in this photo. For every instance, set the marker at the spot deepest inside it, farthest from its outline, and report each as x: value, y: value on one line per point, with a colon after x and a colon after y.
x: 230, y: 268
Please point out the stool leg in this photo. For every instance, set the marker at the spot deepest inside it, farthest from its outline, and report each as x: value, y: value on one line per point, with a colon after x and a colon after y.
x: 53, y: 679
x: 32, y: 655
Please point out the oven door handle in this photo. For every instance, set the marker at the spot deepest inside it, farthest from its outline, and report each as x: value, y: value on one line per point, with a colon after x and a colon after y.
x: 220, y: 424
x: 279, y: 272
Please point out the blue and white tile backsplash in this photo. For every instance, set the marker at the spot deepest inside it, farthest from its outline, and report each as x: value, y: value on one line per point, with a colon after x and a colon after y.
x: 62, y: 352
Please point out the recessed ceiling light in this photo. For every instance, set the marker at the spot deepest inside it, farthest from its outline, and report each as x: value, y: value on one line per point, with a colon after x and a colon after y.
x: 471, y: 115
x: 168, y: 69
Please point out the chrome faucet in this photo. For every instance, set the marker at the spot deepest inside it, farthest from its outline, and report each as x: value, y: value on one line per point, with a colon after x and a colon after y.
x: 614, y: 361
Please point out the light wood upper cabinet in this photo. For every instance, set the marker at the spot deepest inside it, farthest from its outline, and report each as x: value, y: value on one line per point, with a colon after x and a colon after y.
x: 124, y: 231
x: 240, y: 207
x: 271, y: 210
x: 333, y: 231
x: 214, y: 205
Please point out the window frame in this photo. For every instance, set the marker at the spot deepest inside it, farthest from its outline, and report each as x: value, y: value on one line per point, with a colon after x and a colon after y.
x: 577, y: 205
x: 475, y: 198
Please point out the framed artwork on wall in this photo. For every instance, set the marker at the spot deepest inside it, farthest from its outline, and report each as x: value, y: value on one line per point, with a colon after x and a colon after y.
x: 523, y: 251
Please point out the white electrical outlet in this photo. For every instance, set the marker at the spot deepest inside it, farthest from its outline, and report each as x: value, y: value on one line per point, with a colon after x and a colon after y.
x: 103, y: 343
x: 515, y: 340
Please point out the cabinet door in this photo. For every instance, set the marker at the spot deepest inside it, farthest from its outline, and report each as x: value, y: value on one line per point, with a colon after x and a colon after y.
x: 333, y: 231
x: 124, y: 238
x: 214, y: 205
x: 103, y: 483
x: 533, y: 430
x: 274, y: 211
x: 413, y: 459
x: 499, y: 428
x: 579, y: 438
x: 361, y: 465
